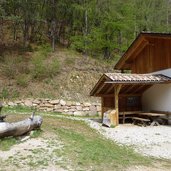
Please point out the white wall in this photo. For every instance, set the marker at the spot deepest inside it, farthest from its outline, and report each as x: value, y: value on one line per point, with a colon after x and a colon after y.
x: 158, y: 97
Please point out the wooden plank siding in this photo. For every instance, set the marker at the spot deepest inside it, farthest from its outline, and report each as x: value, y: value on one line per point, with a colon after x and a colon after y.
x: 154, y: 57
x: 150, y: 52
x: 109, y: 103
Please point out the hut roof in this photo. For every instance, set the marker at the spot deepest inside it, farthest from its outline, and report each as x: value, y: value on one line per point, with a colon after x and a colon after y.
x: 106, y: 83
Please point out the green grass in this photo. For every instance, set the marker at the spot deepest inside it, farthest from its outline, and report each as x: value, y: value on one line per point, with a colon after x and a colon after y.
x: 73, y: 145
x: 89, y: 151
x: 7, y: 143
x: 36, y: 133
x: 18, y: 109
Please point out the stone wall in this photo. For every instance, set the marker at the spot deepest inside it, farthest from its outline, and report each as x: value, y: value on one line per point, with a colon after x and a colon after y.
x: 62, y: 106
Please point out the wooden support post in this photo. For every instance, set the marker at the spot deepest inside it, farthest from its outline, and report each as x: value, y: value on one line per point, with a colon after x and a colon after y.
x: 117, y: 89
x: 102, y: 108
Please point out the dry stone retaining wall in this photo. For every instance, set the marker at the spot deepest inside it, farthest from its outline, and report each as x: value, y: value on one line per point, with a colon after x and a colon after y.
x: 62, y: 106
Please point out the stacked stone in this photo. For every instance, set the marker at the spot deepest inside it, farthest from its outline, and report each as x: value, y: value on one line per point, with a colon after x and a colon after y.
x: 61, y: 106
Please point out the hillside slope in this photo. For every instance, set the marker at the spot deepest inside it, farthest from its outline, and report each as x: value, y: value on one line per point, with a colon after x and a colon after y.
x: 42, y: 74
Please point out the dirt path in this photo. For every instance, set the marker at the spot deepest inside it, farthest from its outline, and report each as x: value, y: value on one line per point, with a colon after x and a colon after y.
x: 35, y: 154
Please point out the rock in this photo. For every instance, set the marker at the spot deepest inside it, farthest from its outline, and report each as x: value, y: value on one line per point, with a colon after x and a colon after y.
x: 18, y: 102
x: 57, y: 106
x: 62, y: 102
x: 92, y: 113
x: 69, y: 103
x: 79, y: 113
x: 54, y: 102
x: 70, y: 113
x: 98, y: 108
x: 87, y: 104
x: 71, y: 110
x: 42, y: 108
x: 79, y: 108
x: 93, y: 108
x: 11, y: 104
x: 47, y: 105
x: 28, y: 103
x: 36, y: 101
x: 77, y: 104
x: 65, y: 110
x: 49, y: 109
x: 73, y: 107
x: 86, y: 109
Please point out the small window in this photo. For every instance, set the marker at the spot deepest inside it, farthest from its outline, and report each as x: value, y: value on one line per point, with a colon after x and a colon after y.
x: 133, y: 101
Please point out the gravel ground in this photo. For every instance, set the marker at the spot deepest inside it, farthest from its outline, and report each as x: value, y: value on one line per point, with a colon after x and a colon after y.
x: 150, y: 141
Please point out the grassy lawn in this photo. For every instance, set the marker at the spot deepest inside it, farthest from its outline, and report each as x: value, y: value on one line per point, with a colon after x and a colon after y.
x: 87, y: 150
x: 82, y: 148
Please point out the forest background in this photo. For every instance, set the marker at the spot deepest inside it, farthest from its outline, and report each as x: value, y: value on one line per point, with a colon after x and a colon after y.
x: 90, y: 26
x: 60, y: 48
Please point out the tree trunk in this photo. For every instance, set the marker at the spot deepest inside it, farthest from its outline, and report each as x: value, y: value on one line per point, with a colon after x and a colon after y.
x: 21, y: 127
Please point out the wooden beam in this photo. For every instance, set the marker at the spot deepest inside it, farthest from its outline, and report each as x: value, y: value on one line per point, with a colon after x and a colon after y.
x: 116, y: 95
x: 100, y: 88
x: 139, y: 88
x: 128, y: 89
x: 105, y: 95
x: 125, y: 95
x: 102, y: 105
x: 110, y: 88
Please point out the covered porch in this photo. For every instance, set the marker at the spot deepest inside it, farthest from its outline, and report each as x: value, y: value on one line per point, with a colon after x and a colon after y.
x: 123, y: 92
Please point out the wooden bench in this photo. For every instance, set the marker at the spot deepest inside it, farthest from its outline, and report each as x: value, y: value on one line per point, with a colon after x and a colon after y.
x: 141, y: 121
x: 127, y: 115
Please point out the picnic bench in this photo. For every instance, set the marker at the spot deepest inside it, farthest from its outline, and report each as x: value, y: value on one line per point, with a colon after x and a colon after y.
x: 144, y: 118
x: 127, y: 115
x: 153, y: 117
x: 141, y: 121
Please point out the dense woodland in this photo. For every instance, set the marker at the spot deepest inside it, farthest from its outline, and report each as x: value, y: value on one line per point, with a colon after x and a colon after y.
x: 90, y: 26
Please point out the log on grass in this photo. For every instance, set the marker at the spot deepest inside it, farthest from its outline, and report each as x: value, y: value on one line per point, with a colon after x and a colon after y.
x: 21, y: 127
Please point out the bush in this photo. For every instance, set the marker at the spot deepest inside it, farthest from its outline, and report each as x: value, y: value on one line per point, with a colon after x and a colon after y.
x: 38, y: 71
x: 52, y: 68
x: 9, y: 93
x: 4, y: 93
x: 70, y: 60
x: 43, y: 67
x: 13, y: 65
x: 23, y: 80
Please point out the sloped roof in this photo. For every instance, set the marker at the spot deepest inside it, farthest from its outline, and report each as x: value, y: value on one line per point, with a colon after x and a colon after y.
x: 138, y: 44
x: 137, y: 78
x: 109, y: 80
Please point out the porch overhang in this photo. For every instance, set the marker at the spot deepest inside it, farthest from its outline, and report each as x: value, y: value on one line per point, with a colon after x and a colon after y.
x: 130, y: 83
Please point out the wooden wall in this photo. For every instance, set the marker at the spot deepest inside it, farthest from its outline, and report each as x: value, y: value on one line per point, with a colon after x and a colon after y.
x: 155, y: 56
x: 125, y: 103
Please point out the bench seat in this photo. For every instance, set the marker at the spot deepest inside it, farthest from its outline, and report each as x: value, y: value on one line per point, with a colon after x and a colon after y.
x: 140, y: 121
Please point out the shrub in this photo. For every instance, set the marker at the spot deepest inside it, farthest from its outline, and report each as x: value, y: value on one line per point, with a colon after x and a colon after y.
x: 70, y: 60
x: 13, y: 65
x: 22, y: 80
x: 4, y: 93
x: 52, y: 68
x: 43, y: 67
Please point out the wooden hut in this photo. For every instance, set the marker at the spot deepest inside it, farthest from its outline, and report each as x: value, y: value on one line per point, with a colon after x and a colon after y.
x: 123, y: 92
x: 147, y: 58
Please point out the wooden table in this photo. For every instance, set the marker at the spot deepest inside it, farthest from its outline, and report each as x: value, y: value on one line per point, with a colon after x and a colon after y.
x: 153, y: 117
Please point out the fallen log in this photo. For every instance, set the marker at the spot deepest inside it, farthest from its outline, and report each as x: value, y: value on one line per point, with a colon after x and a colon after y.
x: 21, y: 127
